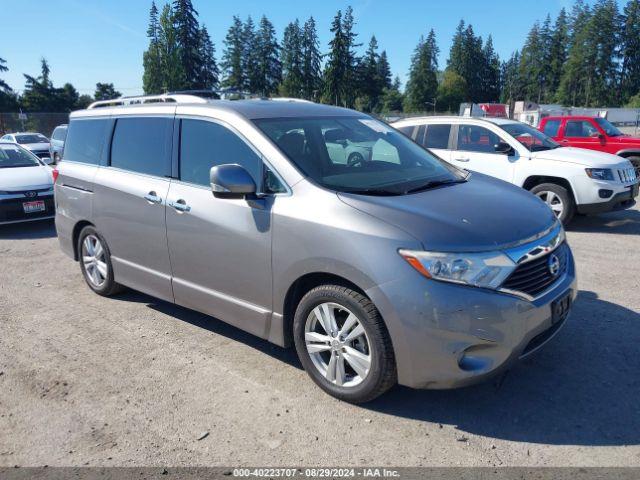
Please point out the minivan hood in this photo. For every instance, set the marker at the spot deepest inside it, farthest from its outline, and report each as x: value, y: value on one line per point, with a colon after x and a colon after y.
x: 19, y: 178
x: 581, y: 156
x: 483, y: 213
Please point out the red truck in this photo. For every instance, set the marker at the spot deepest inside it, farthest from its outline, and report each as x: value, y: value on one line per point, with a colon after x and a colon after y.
x: 594, y: 133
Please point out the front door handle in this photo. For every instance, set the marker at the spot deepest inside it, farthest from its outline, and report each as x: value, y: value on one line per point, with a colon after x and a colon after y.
x: 461, y: 159
x: 152, y: 197
x: 180, y: 205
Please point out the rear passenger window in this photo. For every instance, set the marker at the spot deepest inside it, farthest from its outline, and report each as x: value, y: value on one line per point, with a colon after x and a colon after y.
x: 472, y: 138
x: 408, y: 131
x: 207, y: 144
x: 551, y: 128
x: 140, y: 145
x: 437, y: 136
x: 85, y: 139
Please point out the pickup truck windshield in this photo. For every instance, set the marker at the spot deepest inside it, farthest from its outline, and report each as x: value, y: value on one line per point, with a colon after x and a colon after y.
x: 608, y: 128
x: 358, y: 155
x: 534, y: 140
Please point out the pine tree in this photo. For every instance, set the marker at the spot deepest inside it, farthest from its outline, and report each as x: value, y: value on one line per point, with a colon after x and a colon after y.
x: 531, y: 65
x: 152, y: 78
x: 606, y: 28
x: 631, y: 50
x: 452, y: 91
x: 188, y: 38
x: 351, y: 60
x: 490, y: 77
x: 4, y: 86
x: 268, y: 61
x: 512, y: 88
x: 422, y: 86
x: 466, y: 59
x: 292, y: 58
x: 173, y: 74
x: 208, y: 72
x: 106, y: 91
x: 335, y: 69
x: 232, y: 56
x: 557, y: 53
x: 392, y: 98
x: 312, y: 59
x: 370, y: 83
x: 384, y: 70
x: 250, y: 57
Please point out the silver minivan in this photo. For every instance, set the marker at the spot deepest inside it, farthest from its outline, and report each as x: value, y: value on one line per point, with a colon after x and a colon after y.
x: 389, y: 266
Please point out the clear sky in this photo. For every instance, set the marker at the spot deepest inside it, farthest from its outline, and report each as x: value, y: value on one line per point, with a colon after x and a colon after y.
x: 89, y: 41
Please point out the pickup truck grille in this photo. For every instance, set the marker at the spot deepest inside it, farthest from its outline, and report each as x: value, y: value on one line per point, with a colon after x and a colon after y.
x: 627, y: 175
x: 535, y: 277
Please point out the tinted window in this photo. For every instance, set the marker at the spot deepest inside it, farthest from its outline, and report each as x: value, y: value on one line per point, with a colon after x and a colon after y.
x: 140, y: 145
x: 84, y: 140
x: 472, y: 138
x: 580, y: 128
x: 207, y: 144
x: 420, y: 135
x: 408, y: 131
x: 59, y: 133
x: 437, y: 136
x: 551, y: 128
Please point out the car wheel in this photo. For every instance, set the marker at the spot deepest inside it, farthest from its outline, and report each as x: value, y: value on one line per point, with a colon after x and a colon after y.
x: 635, y: 161
x: 95, y: 262
x: 559, y: 200
x: 343, y: 344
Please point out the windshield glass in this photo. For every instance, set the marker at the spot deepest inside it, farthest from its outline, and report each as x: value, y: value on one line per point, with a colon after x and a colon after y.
x: 358, y: 155
x: 12, y: 156
x: 608, y: 128
x: 532, y: 139
x: 31, y: 138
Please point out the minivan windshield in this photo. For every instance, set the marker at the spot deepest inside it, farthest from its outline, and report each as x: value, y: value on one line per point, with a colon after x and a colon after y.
x: 12, y: 156
x: 31, y: 138
x: 532, y: 139
x: 358, y: 155
x: 608, y: 128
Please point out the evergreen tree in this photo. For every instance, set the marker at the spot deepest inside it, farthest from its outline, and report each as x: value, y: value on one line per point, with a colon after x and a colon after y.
x: 384, y: 71
x: 232, y: 56
x: 152, y: 78
x: 490, y: 76
x: 250, y: 57
x: 173, y: 74
x: 335, y: 69
x: 187, y: 33
x: 512, y: 88
x: 452, y: 91
x: 370, y: 83
x: 39, y: 94
x: 312, y: 59
x: 268, y: 61
x: 392, y: 98
x: 292, y: 58
x: 606, y: 28
x: 630, y: 49
x: 532, y: 67
x: 466, y: 59
x: 557, y: 53
x: 8, y: 98
x: 351, y: 60
x: 208, y: 69
x: 422, y: 85
x: 106, y: 91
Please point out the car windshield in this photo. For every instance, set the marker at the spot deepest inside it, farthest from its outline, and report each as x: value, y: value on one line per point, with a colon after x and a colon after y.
x: 358, y: 155
x: 12, y: 156
x: 31, y: 138
x: 608, y: 128
x: 532, y: 139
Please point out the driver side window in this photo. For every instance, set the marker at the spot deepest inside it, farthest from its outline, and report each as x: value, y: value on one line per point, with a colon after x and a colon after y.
x: 580, y: 129
x: 473, y: 138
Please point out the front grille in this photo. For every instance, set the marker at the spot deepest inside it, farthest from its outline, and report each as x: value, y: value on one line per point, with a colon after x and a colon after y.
x: 627, y: 175
x: 12, y: 209
x: 41, y: 153
x: 535, y: 277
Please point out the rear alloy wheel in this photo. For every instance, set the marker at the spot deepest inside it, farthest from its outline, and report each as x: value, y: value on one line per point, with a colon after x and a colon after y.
x: 343, y: 344
x: 558, y: 199
x: 95, y: 262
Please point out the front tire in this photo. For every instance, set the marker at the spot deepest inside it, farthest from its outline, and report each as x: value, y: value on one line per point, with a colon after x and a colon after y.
x: 635, y: 161
x: 559, y: 200
x: 343, y: 344
x: 95, y: 262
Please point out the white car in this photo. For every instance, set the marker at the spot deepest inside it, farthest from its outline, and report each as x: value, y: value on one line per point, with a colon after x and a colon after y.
x: 569, y: 180
x: 26, y: 186
x: 35, y: 142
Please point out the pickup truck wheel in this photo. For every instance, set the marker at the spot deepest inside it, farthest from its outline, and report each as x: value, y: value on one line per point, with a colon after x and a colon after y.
x: 560, y: 201
x: 635, y: 161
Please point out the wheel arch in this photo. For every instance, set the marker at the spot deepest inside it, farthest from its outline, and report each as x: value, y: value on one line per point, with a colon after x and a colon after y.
x: 77, y: 228
x: 628, y: 153
x: 534, y: 180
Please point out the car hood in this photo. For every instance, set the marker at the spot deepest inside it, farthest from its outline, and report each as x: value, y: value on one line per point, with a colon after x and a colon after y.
x: 36, y: 146
x: 483, y: 213
x: 19, y: 178
x: 581, y: 156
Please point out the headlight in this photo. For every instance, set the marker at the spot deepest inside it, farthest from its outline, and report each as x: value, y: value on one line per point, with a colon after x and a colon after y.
x: 485, y: 269
x: 600, y: 173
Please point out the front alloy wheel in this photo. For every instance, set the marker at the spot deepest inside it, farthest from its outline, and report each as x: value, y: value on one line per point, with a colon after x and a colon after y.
x: 554, y: 201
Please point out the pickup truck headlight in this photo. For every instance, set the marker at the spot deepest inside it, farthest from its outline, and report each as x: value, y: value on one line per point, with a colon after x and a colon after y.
x: 484, y: 269
x: 600, y: 173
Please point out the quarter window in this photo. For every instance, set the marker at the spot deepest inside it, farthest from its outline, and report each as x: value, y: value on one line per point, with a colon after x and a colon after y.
x: 207, y: 144
x: 473, y: 138
x: 551, y: 128
x: 437, y: 136
x: 140, y: 145
x: 85, y: 139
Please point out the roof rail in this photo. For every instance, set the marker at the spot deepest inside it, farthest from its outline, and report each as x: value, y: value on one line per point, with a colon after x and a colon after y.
x: 138, y: 100
x: 289, y: 99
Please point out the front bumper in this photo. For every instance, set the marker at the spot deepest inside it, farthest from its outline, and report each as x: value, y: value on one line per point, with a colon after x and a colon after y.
x: 12, y: 211
x: 447, y: 336
x: 619, y: 201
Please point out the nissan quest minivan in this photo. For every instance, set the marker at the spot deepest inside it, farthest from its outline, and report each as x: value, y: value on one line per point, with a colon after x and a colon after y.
x: 389, y: 266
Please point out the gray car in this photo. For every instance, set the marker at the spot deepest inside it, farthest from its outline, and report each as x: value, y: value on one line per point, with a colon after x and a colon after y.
x: 398, y: 269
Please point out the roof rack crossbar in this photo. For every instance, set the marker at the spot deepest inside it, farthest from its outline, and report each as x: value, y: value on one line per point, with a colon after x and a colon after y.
x: 138, y: 100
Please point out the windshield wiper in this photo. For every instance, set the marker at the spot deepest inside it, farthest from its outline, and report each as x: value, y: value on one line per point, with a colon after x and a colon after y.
x: 433, y: 184
x: 373, y: 191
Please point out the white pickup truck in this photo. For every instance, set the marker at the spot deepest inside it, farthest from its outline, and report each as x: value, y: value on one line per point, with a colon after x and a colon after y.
x: 569, y: 180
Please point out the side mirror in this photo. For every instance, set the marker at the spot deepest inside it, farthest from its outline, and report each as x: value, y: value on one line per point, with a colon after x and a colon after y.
x: 504, y: 148
x: 231, y: 181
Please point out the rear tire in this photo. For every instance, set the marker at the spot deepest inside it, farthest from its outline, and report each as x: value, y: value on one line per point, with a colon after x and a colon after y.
x: 558, y: 199
x: 353, y: 361
x: 95, y: 262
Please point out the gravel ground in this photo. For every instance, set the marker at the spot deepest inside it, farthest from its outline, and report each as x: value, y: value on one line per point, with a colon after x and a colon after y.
x: 132, y: 381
